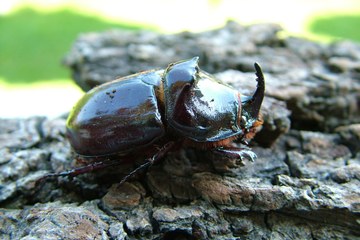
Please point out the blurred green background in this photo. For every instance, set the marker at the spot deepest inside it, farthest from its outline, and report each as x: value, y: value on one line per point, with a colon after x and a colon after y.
x: 36, y: 34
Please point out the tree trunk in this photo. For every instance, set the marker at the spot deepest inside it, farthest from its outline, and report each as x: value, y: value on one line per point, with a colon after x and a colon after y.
x: 303, y: 185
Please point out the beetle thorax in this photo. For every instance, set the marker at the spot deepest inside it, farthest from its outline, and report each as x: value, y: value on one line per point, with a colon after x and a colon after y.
x: 198, y: 106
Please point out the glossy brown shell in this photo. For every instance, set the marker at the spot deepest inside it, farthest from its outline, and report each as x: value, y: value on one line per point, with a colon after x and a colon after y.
x: 117, y: 117
x: 178, y: 103
x: 198, y: 106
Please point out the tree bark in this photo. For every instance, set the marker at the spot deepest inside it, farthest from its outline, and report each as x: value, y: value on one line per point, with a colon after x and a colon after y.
x: 303, y: 185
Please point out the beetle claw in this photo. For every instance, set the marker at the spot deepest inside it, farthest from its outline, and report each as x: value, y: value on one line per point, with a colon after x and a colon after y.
x: 238, y: 153
x: 244, y: 142
x: 248, y: 154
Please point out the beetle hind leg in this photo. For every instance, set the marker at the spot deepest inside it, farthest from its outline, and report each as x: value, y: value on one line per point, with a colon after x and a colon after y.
x: 95, y: 166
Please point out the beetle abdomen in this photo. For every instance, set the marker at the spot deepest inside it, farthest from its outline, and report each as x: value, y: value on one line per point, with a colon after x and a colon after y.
x: 117, y: 117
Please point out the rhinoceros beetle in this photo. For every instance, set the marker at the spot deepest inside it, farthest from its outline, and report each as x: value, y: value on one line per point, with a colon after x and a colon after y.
x: 156, y: 111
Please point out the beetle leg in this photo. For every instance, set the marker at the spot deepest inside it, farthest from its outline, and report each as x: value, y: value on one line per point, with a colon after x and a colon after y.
x: 110, y: 163
x: 236, y: 153
x: 145, y: 165
x: 244, y: 142
x: 150, y: 161
x: 81, y: 170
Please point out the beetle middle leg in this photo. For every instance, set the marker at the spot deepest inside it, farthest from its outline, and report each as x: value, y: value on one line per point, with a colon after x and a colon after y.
x: 150, y: 161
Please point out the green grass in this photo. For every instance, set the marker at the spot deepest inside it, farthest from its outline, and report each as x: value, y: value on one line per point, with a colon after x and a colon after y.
x: 33, y: 43
x: 336, y: 26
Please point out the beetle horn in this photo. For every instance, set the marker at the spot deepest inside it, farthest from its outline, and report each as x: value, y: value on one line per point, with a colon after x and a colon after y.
x: 252, y: 105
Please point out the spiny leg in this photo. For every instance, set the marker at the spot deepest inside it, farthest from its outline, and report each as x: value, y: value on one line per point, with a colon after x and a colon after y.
x: 150, y: 161
x: 236, y: 153
x: 94, y: 166
x: 110, y: 163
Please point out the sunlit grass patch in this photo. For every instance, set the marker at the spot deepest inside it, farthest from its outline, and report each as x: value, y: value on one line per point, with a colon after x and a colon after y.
x: 33, y: 42
x: 336, y: 26
x: 35, y: 35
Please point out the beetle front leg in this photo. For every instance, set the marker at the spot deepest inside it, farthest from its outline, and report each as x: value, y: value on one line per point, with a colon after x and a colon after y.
x: 226, y: 158
x: 241, y: 153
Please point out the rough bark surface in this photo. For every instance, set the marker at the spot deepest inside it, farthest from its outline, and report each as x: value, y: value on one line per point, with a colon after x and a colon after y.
x: 303, y: 185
